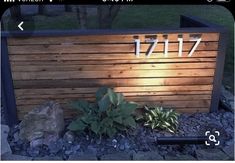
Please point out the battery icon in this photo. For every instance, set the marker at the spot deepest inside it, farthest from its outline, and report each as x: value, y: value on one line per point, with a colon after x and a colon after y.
x: 223, y: 0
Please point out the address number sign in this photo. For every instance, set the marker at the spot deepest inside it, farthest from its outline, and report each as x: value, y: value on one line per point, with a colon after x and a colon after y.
x: 154, y: 42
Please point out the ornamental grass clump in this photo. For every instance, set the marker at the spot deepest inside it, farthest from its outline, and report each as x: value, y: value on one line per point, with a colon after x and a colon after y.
x: 107, y: 116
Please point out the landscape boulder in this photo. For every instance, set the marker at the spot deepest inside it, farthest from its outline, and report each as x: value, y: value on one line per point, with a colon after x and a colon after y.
x: 45, y: 122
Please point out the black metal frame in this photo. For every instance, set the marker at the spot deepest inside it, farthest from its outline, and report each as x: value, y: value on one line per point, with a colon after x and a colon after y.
x: 7, y: 89
x: 187, y: 25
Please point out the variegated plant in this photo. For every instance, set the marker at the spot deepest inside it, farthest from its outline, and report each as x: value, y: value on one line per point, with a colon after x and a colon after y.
x: 162, y: 119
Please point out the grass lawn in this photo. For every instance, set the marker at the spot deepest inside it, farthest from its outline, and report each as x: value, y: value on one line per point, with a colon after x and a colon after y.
x: 154, y: 16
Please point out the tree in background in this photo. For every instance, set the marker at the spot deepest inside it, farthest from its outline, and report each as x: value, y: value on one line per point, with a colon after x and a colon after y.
x: 68, y: 8
x: 106, y: 15
x: 15, y: 12
x: 42, y: 10
x: 82, y: 16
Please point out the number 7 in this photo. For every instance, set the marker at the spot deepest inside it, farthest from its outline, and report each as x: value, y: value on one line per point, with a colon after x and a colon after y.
x: 198, y: 40
x: 152, y: 47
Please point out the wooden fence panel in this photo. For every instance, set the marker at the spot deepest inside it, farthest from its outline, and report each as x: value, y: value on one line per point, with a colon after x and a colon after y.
x: 66, y: 68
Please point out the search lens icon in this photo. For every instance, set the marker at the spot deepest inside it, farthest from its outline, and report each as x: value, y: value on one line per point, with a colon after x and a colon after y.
x: 212, y: 138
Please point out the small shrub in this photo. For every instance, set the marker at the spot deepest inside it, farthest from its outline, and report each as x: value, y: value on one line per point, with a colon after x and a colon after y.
x: 159, y: 118
x: 108, y: 115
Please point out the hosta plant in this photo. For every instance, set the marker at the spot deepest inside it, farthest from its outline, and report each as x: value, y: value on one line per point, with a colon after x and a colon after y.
x: 108, y: 115
x: 161, y: 119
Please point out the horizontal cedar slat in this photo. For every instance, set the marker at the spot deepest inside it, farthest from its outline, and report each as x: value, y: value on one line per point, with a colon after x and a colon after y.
x: 174, y: 104
x: 105, y: 38
x: 111, y: 62
x: 168, y: 98
x: 29, y: 94
x: 132, y: 98
x: 104, y: 48
x: 67, y: 67
x: 64, y: 68
x: 124, y: 90
x: 61, y: 57
x: 137, y: 99
x: 111, y: 74
x: 111, y: 82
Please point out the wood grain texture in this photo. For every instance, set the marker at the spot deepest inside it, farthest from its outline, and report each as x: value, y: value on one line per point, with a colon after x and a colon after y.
x: 53, y: 95
x: 115, y: 62
x: 117, y: 56
x: 172, y: 104
x: 88, y: 90
x: 104, y: 48
x: 166, y: 97
x: 145, y: 99
x: 112, y: 82
x: 112, y: 74
x: 73, y: 67
x: 67, y: 68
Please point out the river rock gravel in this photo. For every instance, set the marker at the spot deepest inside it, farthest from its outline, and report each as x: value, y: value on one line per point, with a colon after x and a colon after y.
x: 137, y: 144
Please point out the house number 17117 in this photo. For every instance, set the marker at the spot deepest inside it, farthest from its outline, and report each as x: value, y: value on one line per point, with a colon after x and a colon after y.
x: 154, y: 43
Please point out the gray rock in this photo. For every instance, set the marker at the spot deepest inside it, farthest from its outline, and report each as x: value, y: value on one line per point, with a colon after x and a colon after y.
x: 36, y: 143
x: 15, y: 157
x: 45, y: 121
x: 211, y: 154
x: 232, y: 104
x: 124, y: 144
x: 55, y: 147
x: 5, y: 147
x: 122, y: 147
x: 50, y: 138
x: 48, y: 158
x: 76, y: 148
x: 69, y: 137
x: 83, y: 157
x: 91, y: 150
x: 68, y: 152
x: 116, y: 156
x: 152, y: 155
x: 229, y: 150
x: 227, y: 99
x: 16, y: 137
x: 179, y: 157
x: 33, y: 152
x: 98, y: 141
x: 114, y: 143
x: 127, y: 145
x: 230, y: 142
x: 165, y: 133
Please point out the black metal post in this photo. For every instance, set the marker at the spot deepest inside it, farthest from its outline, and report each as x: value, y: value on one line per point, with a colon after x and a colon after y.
x: 7, y: 90
x: 218, y: 76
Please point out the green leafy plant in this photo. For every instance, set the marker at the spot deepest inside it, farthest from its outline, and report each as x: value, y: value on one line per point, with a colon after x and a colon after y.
x: 159, y: 118
x: 108, y: 115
